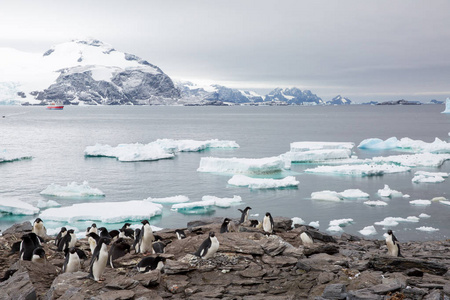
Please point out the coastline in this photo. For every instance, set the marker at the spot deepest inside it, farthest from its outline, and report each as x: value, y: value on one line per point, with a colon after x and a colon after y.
x: 248, y: 265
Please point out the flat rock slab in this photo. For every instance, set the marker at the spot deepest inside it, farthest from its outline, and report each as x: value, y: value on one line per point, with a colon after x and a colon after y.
x: 398, y: 264
x: 19, y: 286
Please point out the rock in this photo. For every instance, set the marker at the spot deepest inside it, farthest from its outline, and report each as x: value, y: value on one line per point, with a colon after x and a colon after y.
x: 321, y: 248
x: 176, y: 267
x: 279, y: 261
x: 414, y: 293
x: 176, y: 286
x: 241, y: 242
x: 396, y: 264
x: 335, y: 291
x: 18, y: 287
x: 148, y: 279
x: 253, y: 272
x: 414, y: 272
x: 67, y: 281
x: 121, y: 282
x: 117, y: 295
x: 282, y: 224
x: 364, y: 294
x: 349, y: 237
x: 434, y: 295
x: 41, y: 275
x: 22, y: 228
x: 383, y: 289
x: 273, y: 245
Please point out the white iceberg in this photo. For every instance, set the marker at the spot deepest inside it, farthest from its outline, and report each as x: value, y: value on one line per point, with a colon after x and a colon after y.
x: 106, y: 212
x: 17, y: 207
x: 388, y: 192
x: 169, y: 200
x: 335, y: 228
x: 379, y: 144
x: 308, y: 146
x: 46, y: 204
x: 375, y: 203
x: 241, y: 165
x: 8, y: 157
x: 353, y: 194
x: 129, y: 152
x: 368, y: 230
x: 72, y: 190
x: 429, y: 177
x: 447, y: 108
x: 422, y: 215
x: 437, y: 146
x: 326, y: 195
x: 192, y: 145
x: 441, y: 174
x: 427, y: 229
x: 297, y: 221
x: 223, y: 202
x: 263, y: 183
x: 420, y: 202
x: 445, y: 202
x: 414, y: 160
x: 359, y: 170
x: 341, y: 222
x: 206, y: 204
x: 314, y: 156
x: 314, y: 224
x: 388, y: 222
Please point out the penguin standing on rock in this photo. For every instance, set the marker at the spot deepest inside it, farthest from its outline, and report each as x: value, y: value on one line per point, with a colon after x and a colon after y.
x: 72, y: 262
x: 68, y: 241
x: 151, y: 263
x: 118, y: 249
x: 146, y: 238
x: 268, y: 223
x: 306, y: 238
x: 39, y: 228
x: 244, y: 214
x: 60, y: 235
x: 392, y: 244
x: 38, y: 255
x: 92, y: 240
x: 27, y: 246
x: 225, y: 226
x: 209, y: 247
x: 99, y: 260
x: 180, y: 234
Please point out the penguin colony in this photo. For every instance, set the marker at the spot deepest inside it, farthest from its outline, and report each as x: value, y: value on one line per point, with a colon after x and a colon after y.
x: 141, y: 240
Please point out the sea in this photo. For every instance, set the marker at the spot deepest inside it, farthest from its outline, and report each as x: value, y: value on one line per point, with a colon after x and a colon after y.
x: 57, y: 139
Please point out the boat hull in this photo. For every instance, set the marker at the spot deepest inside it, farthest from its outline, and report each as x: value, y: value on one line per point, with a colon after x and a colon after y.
x: 55, y: 107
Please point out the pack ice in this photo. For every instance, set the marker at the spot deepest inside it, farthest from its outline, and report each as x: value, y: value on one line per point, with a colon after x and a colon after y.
x: 303, y: 152
x: 429, y: 177
x: 359, y: 170
x: 9, y: 157
x: 407, y: 144
x: 335, y: 196
x: 235, y: 165
x: 17, y: 207
x: 72, y: 190
x: 263, y: 183
x: 206, y: 204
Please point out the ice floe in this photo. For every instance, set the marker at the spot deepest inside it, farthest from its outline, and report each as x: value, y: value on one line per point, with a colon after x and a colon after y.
x: 314, y: 224
x: 314, y: 156
x: 388, y: 192
x: 437, y: 146
x: 420, y: 202
x: 169, y: 200
x: 368, y: 230
x: 429, y: 177
x: 447, y: 108
x: 129, y: 152
x: 378, y: 144
x: 336, y: 225
x: 308, y: 146
x: 427, y: 229
x: 422, y: 215
x: 241, y: 165
x: 72, y: 190
x: 297, y: 221
x: 192, y: 145
x: 17, y: 207
x: 394, y: 221
x: 335, y: 196
x: 222, y: 202
x: 359, y: 170
x: 263, y: 183
x: 414, y: 160
x: 206, y: 204
x: 46, y: 204
x: 106, y: 212
x: 375, y: 203
x: 9, y: 157
x: 445, y: 202
x: 353, y: 194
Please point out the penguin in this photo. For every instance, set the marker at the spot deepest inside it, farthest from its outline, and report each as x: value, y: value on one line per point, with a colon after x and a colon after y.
x: 244, y: 214
x: 72, y: 262
x: 39, y: 228
x: 225, y: 226
x: 137, y: 234
x: 92, y: 240
x: 114, y: 233
x: 268, y: 223
x: 27, y: 247
x: 146, y: 238
x: 118, y: 249
x: 158, y: 245
x: 37, y: 240
x: 209, y: 247
x: 306, y: 238
x: 8, y: 274
x: 38, y: 255
x: 93, y: 228
x: 180, y: 234
x: 99, y: 259
x: 254, y: 223
x: 126, y: 231
x: 68, y: 241
x: 392, y: 245
x: 104, y: 233
x: 16, y: 247
x: 151, y: 263
x: 80, y: 252
x: 60, y: 235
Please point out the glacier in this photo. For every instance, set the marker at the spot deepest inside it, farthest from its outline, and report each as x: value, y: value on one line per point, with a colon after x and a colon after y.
x: 263, y: 183
x: 241, y: 165
x: 359, y: 170
x: 106, y: 212
x: 17, y: 207
x: 72, y: 190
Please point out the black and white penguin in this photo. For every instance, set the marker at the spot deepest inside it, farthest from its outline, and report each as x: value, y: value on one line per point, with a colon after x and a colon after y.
x: 118, y: 249
x: 68, y: 241
x: 180, y: 234
x: 92, y: 240
x: 93, y: 228
x: 209, y: 246
x: 146, y: 238
x: 72, y: 262
x: 126, y: 231
x: 114, y: 233
x: 39, y: 228
x: 99, y: 259
x: 27, y: 247
x: 8, y: 274
x: 268, y: 223
x: 103, y: 232
x: 60, y: 235
x: 392, y: 244
x: 137, y: 235
x: 244, y: 214
x: 151, y: 263
x: 306, y: 238
x: 254, y: 223
x: 225, y: 226
x: 158, y: 245
x: 38, y: 255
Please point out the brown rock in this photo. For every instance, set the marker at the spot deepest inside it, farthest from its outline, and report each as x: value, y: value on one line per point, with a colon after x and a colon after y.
x: 19, y: 286
x: 117, y: 295
x: 396, y: 264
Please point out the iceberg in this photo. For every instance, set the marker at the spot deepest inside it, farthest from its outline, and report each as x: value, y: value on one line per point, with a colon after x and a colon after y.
x: 335, y: 196
x: 106, y: 212
x: 420, y: 202
x: 445, y: 202
x: 429, y: 177
x: 447, y: 107
x: 359, y: 170
x: 46, y: 204
x: 314, y: 224
x: 263, y: 183
x: 222, y: 202
x: 422, y: 215
x: 169, y: 200
x: 375, y: 203
x: 335, y: 229
x: 368, y: 230
x: 241, y: 165
x: 379, y: 144
x: 387, y: 222
x: 387, y: 192
x: 298, y: 221
x: 353, y: 194
x: 7, y: 157
x: 315, y: 156
x: 308, y: 146
x: 340, y: 222
x: 438, y: 146
x: 427, y: 229
x: 17, y: 207
x: 206, y: 204
x: 170, y: 145
x: 72, y: 190
x: 415, y: 160
x: 129, y: 152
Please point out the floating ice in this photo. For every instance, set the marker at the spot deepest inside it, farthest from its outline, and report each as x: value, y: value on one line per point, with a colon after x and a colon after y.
x: 192, y: 145
x: 307, y: 146
x: 17, y: 207
x: 435, y: 199
x: 222, y: 202
x: 422, y: 215
x: 314, y: 224
x: 326, y: 195
x: 438, y: 146
x: 387, y: 192
x: 445, y: 202
x: 169, y: 200
x: 46, y: 204
x: 353, y: 194
x: 106, y: 212
x: 72, y: 190
x: 375, y: 203
x: 129, y: 152
x: 263, y: 183
x: 206, y: 204
x: 8, y: 157
x: 241, y: 165
x: 420, y: 202
x: 447, y: 108
x: 368, y: 230
x: 429, y: 177
x: 335, y: 228
x: 312, y: 156
x: 378, y: 144
x: 442, y: 174
x: 297, y: 220
x: 428, y: 229
x: 387, y: 222
x: 414, y: 160
x: 359, y: 170
x: 341, y: 222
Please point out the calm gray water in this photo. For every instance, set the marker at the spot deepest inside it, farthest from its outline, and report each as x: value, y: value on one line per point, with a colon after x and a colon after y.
x: 57, y: 139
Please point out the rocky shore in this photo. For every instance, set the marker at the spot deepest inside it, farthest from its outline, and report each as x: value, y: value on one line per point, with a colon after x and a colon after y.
x: 248, y: 265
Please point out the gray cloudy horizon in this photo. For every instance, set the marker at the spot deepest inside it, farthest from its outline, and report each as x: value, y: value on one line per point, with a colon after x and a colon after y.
x: 363, y: 50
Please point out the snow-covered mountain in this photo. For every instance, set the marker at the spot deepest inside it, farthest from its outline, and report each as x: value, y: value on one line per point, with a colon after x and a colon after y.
x: 339, y: 100
x: 293, y: 96
x: 83, y: 72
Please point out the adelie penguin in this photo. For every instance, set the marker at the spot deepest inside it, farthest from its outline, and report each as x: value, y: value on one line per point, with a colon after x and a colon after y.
x: 38, y: 255
x: 39, y: 228
x: 92, y: 240
x: 68, y: 241
x: 268, y: 223
x: 306, y: 238
x: 60, y: 235
x: 392, y: 244
x: 225, y: 226
x: 151, y: 263
x: 180, y: 234
x: 146, y: 238
x: 118, y: 249
x: 244, y: 214
x: 30, y: 241
x: 99, y: 259
x: 209, y: 247
x: 72, y: 262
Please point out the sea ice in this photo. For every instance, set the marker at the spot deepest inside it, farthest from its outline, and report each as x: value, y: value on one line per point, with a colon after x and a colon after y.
x: 422, y: 215
x: 420, y: 202
x: 414, y: 160
x: 307, y: 146
x: 335, y: 228
x: 326, y: 195
x: 222, y: 202
x: 17, y: 207
x: 129, y: 152
x: 427, y: 229
x: 447, y: 108
x: 387, y: 192
x: 206, y: 203
x: 106, y: 212
x: 375, y: 203
x: 445, y: 202
x: 8, y: 157
x: 437, y: 146
x: 169, y: 200
x: 359, y: 170
x: 314, y: 224
x: 353, y: 194
x: 72, y: 190
x: 241, y: 165
x: 378, y: 144
x: 442, y: 174
x: 263, y: 183
x: 429, y: 177
x: 46, y: 204
x: 387, y: 222
x: 298, y: 221
x: 368, y: 230
x: 341, y: 222
x: 314, y: 156
x: 193, y: 146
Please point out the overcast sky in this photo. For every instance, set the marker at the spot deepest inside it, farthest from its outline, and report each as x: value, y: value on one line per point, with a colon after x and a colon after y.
x: 362, y: 49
